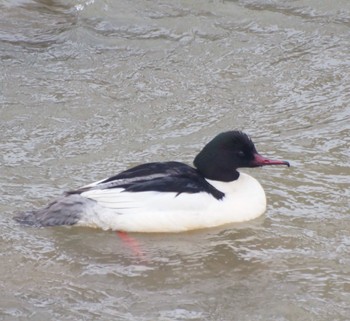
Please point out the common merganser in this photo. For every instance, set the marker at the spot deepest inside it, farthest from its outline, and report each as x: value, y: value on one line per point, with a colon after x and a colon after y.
x: 168, y: 196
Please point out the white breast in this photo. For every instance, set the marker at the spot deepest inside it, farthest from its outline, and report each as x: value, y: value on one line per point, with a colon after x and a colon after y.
x: 168, y: 212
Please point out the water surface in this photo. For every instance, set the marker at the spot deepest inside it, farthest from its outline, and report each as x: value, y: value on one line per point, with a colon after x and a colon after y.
x: 89, y: 88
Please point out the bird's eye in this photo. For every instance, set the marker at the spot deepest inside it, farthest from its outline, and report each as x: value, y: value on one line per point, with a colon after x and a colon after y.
x: 241, y: 154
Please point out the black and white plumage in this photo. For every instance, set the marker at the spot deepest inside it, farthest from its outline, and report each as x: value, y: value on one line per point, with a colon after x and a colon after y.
x: 168, y: 196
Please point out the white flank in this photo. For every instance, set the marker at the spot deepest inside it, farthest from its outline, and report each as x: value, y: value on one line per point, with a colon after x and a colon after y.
x: 168, y: 212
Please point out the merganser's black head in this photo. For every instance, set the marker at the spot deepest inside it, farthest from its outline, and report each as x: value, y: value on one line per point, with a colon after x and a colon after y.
x: 221, y: 157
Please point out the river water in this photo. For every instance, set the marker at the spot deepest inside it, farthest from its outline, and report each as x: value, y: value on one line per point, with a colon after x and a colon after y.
x: 90, y: 88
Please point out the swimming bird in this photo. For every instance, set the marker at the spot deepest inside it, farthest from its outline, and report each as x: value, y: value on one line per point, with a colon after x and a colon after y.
x: 168, y: 196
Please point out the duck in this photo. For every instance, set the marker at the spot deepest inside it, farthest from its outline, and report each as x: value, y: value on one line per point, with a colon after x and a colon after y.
x: 167, y: 197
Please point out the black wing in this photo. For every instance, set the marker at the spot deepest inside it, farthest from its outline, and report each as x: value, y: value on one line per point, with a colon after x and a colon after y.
x: 162, y: 177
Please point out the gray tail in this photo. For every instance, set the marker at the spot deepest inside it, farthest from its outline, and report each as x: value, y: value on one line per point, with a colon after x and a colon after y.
x: 66, y: 210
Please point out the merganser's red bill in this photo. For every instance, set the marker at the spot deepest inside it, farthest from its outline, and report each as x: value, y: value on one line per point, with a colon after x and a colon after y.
x: 263, y: 161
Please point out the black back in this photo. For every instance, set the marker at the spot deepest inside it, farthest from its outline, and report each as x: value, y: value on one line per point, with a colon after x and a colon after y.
x: 162, y: 177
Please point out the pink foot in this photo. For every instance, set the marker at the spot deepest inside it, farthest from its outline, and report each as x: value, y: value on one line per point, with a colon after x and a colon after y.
x: 132, y: 244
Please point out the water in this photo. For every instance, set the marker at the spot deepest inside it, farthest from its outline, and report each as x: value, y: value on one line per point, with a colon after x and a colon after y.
x: 89, y: 88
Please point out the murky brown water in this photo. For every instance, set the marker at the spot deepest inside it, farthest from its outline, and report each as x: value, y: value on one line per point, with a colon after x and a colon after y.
x: 89, y: 88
